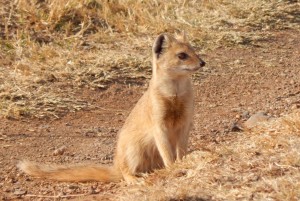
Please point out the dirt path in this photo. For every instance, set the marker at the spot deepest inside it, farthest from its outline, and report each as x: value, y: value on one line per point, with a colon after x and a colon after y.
x: 236, y: 82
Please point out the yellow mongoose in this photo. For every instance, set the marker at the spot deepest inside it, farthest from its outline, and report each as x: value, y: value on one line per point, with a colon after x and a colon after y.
x: 155, y: 133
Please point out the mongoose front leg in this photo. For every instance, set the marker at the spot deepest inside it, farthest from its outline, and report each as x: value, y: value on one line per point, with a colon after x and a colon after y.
x: 163, y: 145
x: 182, y: 143
x: 181, y: 148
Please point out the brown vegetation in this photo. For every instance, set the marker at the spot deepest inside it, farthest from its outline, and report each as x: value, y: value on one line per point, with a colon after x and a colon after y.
x: 50, y: 46
x: 62, y: 56
x: 259, y: 165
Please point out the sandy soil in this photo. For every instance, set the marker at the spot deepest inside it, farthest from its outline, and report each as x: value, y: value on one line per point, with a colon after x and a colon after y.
x: 236, y: 83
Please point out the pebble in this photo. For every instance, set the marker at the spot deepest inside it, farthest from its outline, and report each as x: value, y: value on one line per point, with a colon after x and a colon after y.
x: 238, y: 116
x: 246, y: 115
x: 238, y: 109
x: 59, y: 151
x: 19, y: 192
x: 235, y: 127
x: 180, y: 173
x: 256, y: 119
x: 73, y: 186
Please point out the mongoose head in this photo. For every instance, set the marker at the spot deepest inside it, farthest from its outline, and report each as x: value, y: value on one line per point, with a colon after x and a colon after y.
x: 175, y: 56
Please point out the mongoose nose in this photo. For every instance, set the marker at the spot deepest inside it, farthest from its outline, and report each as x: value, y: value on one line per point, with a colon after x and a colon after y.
x: 202, y: 63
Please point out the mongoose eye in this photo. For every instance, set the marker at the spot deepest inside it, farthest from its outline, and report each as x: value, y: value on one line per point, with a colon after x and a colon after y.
x: 182, y: 55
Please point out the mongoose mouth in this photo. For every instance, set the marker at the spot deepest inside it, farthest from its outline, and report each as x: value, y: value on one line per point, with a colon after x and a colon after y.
x: 192, y: 69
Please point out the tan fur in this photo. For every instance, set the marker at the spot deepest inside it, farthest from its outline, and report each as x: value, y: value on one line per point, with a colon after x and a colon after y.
x: 155, y: 133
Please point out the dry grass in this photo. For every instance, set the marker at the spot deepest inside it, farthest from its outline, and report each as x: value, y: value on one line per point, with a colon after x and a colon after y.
x: 51, y: 49
x: 263, y: 164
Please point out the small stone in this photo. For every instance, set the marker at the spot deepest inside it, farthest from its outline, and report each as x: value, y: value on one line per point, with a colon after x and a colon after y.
x: 237, y: 116
x: 180, y: 173
x: 246, y: 115
x: 72, y: 186
x: 212, y: 106
x: 238, y: 109
x: 237, y: 61
x: 59, y: 151
x: 256, y: 119
x: 39, y: 81
x: 235, y: 127
x: 19, y: 192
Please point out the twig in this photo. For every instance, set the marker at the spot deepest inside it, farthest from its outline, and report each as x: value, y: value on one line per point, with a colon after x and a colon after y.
x: 286, y: 166
x: 55, y: 196
x: 108, y: 109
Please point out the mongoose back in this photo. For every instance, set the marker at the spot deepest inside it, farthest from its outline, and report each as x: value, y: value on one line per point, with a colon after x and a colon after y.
x: 156, y: 132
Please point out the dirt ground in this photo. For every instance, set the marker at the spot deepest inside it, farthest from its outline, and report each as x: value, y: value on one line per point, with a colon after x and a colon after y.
x: 237, y: 82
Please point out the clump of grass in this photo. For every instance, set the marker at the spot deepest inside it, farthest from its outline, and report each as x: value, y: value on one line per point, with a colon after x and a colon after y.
x: 86, y: 17
x: 258, y: 165
x: 92, y: 43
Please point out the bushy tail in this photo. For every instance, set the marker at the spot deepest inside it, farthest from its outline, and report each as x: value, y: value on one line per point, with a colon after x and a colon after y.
x: 71, y: 173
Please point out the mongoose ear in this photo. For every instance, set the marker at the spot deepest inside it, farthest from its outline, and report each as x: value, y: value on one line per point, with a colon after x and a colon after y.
x: 162, y: 41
